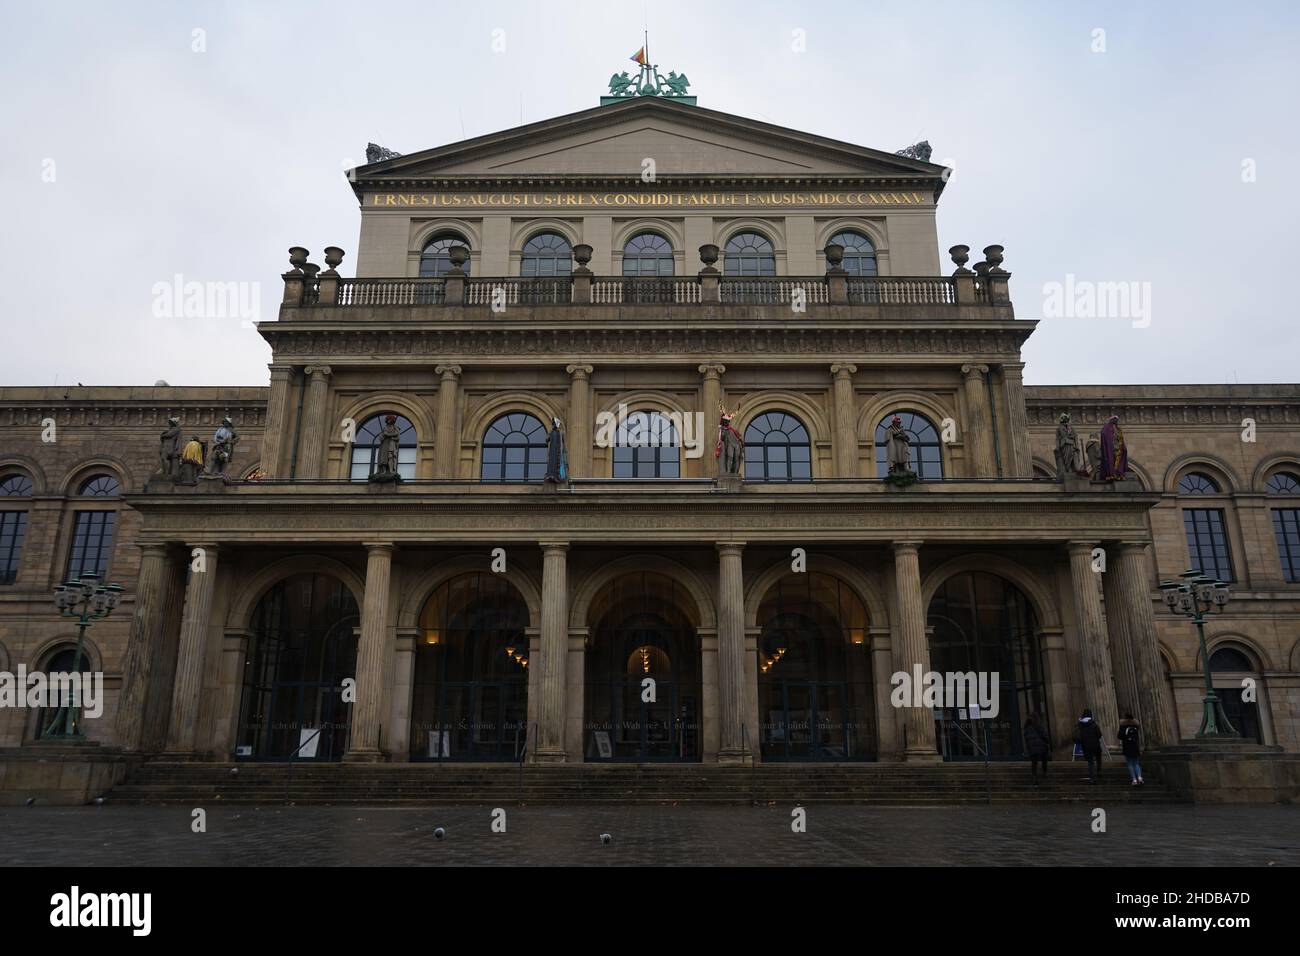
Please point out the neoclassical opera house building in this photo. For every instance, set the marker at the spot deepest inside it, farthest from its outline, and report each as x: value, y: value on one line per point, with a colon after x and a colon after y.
x: 472, y: 611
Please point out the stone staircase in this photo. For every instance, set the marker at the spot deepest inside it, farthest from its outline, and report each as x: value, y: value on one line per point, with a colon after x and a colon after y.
x: 198, y: 784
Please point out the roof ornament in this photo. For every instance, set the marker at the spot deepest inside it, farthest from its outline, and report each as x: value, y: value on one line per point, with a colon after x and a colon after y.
x: 648, y: 82
x: 919, y: 151
x: 377, y: 154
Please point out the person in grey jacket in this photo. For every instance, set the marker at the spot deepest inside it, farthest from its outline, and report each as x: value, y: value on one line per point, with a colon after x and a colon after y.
x: 1088, y: 736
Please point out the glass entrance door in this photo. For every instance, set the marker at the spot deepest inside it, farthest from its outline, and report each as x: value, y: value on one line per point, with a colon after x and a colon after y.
x: 477, y: 720
x: 804, y: 720
x: 663, y: 729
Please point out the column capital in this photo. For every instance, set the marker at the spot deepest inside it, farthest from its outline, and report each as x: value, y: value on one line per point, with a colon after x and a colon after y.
x: 579, y: 371
x: 152, y: 547
x: 448, y: 371
x: 843, y: 369
x: 1132, y: 545
x: 209, y: 546
x: 730, y: 547
x: 1076, y: 546
x: 321, y: 370
x: 712, y: 370
x: 972, y: 371
x: 374, y: 546
x: 1015, y: 368
x: 905, y: 547
x: 550, y: 546
x: 280, y: 373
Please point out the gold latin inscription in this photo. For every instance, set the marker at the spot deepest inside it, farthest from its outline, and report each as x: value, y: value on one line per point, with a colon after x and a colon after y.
x: 607, y: 200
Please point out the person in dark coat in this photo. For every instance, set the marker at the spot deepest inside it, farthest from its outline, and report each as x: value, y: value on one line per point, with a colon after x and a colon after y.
x: 1130, y: 741
x: 1088, y: 736
x: 1038, y: 747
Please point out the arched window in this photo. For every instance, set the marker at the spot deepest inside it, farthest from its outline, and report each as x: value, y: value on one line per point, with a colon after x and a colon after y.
x: 99, y: 486
x: 648, y: 254
x: 749, y: 254
x: 926, y: 458
x: 1230, y: 659
x: 92, y: 531
x: 13, y: 526
x: 514, y: 449
x: 546, y: 254
x: 365, y: 448
x: 435, y: 260
x: 1281, y: 483
x: 1242, y: 714
x: 1197, y: 483
x: 647, y: 447
x: 859, y: 253
x: 15, y: 486
x: 777, y: 449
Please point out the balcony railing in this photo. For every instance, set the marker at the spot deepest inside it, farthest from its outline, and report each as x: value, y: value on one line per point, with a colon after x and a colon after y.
x: 706, y: 288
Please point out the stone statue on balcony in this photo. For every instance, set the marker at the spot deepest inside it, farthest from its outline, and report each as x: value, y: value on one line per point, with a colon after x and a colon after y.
x: 191, y: 460
x: 223, y: 449
x: 390, y: 438
x: 1114, y: 451
x: 730, y: 449
x: 557, y: 461
x: 1070, y: 458
x: 1094, y: 455
x: 898, y: 448
x: 169, y: 449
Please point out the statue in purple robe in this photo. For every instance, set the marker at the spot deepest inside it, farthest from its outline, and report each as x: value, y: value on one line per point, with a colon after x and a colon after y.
x: 1114, y: 453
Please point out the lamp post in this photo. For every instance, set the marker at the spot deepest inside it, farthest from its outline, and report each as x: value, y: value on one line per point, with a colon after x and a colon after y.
x: 87, y: 601
x: 1195, y: 598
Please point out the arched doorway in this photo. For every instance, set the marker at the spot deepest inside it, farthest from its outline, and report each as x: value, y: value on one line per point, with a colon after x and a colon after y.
x: 815, y: 699
x: 302, y: 648
x: 470, y: 699
x: 982, y: 623
x: 643, y: 689
x: 62, y: 660
x: 1232, y: 668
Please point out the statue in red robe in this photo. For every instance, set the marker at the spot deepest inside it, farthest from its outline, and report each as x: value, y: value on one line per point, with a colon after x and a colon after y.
x: 730, y: 449
x: 1114, y: 453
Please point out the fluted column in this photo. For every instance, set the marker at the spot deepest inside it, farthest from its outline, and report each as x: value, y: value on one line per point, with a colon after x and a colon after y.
x: 1013, y: 392
x: 710, y: 396
x: 978, y: 433
x: 368, y: 708
x: 555, y: 651
x: 1097, y: 680
x: 142, y: 646
x: 311, y: 453
x: 580, y: 420
x: 448, y: 434
x: 846, y: 422
x: 278, y: 420
x: 731, y: 652
x: 189, y: 658
x: 913, y: 649
x: 1130, y: 568
x: 1122, y: 663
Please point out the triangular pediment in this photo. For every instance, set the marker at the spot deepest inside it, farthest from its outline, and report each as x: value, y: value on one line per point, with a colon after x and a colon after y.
x: 682, y: 140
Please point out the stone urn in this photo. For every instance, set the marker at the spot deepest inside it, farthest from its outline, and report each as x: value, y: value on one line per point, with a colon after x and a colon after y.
x: 960, y: 256
x: 333, y: 257
x: 458, y: 255
x: 298, y: 257
x: 709, y: 255
x: 834, y: 255
x: 993, y: 256
x: 582, y: 254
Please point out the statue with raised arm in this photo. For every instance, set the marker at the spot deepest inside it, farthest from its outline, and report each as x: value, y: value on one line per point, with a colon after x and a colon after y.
x: 730, y: 448
x: 169, y: 449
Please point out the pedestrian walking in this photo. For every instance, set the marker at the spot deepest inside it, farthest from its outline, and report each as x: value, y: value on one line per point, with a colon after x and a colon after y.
x: 1088, y: 736
x: 1038, y: 747
x: 1130, y: 741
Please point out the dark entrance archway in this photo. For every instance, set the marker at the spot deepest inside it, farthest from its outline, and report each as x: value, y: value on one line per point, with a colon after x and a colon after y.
x: 643, y: 689
x: 815, y: 699
x: 303, y: 647
x: 982, y: 623
x: 470, y: 700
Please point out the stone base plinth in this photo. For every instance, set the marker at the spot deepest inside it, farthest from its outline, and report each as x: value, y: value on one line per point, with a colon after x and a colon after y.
x: 363, y: 756
x: 1227, y: 771
x: 61, y: 774
x: 729, y: 484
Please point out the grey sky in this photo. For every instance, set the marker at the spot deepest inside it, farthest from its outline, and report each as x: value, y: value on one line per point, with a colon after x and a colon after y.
x: 1115, y: 166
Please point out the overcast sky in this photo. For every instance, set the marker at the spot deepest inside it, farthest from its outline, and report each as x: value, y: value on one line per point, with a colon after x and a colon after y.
x: 1155, y: 153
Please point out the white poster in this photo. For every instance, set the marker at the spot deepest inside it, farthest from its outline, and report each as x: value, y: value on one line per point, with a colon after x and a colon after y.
x: 603, y: 747
x: 307, y: 740
x: 434, y: 737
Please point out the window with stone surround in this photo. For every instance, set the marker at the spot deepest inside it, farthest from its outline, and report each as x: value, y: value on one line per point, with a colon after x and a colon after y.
x: 13, y: 529
x: 1286, y: 528
x: 749, y: 254
x: 546, y: 254
x: 365, y: 449
x: 92, y: 531
x: 647, y: 447
x: 514, y: 449
x: 1207, y: 542
x: 435, y: 259
x: 648, y: 254
x: 777, y: 449
x: 1197, y: 483
x: 859, y: 253
x: 1283, y: 483
x: 926, y: 454
x: 15, y: 486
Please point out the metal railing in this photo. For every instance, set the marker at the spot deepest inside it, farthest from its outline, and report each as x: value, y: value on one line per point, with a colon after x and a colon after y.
x: 521, y: 756
x: 753, y: 766
x: 357, y: 292
x: 983, y: 751
x: 288, y: 775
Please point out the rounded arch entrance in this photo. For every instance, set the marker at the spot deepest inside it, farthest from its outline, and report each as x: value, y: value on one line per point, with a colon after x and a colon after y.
x: 982, y: 623
x: 643, y: 697
x: 815, y: 696
x: 470, y: 694
x: 302, y: 647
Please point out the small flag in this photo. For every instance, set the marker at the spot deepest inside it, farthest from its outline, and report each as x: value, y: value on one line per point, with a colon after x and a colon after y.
x: 639, y: 57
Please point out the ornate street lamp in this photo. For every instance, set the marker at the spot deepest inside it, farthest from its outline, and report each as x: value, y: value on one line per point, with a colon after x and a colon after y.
x: 1195, y: 598
x: 87, y: 601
